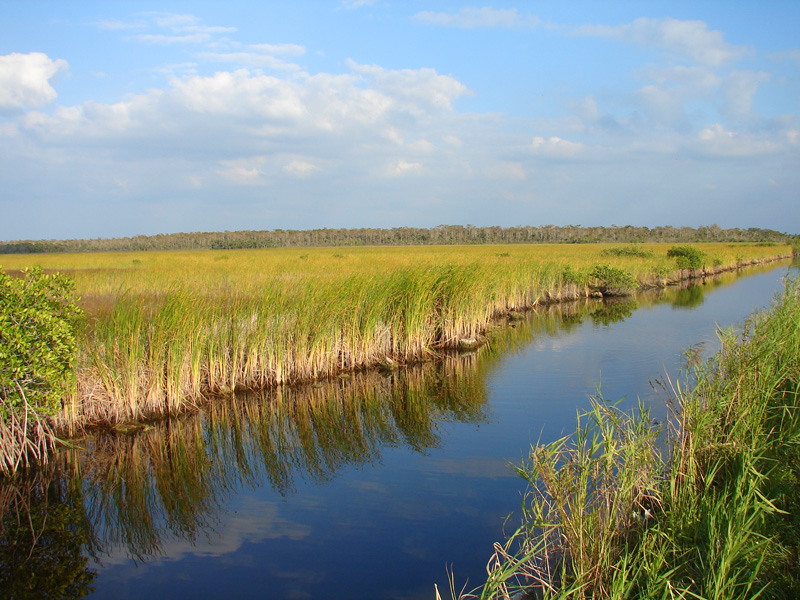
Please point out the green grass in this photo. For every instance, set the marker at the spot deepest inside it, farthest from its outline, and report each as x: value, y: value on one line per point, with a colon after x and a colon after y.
x: 613, y: 512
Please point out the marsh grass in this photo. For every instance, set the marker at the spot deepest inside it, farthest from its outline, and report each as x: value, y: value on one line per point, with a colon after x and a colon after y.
x: 615, y: 512
x: 168, y: 329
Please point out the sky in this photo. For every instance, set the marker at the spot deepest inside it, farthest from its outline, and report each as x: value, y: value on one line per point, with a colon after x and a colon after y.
x: 138, y: 118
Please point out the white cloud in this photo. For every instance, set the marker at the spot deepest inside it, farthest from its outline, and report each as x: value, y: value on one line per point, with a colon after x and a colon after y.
x: 414, y: 87
x: 25, y: 80
x: 738, y: 90
x: 243, y: 172
x: 555, y: 147
x: 473, y: 18
x: 248, y: 58
x: 300, y: 168
x: 663, y: 104
x: 402, y: 167
x: 715, y: 140
x: 699, y: 78
x: 421, y: 146
x: 283, y: 49
x: 687, y: 39
x: 240, y: 93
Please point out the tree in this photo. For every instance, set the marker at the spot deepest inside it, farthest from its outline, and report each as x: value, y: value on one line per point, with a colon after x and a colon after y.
x: 38, y: 317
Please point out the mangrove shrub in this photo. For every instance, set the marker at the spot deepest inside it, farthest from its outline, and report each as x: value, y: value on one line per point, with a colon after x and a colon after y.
x: 613, y: 280
x: 38, y: 315
x: 687, y: 257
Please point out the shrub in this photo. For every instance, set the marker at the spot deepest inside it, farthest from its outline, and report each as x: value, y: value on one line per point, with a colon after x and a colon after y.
x: 38, y: 315
x: 687, y: 257
x: 613, y: 280
x: 628, y: 251
x: 571, y: 276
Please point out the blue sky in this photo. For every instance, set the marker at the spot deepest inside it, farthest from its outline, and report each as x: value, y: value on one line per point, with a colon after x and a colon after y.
x: 126, y: 118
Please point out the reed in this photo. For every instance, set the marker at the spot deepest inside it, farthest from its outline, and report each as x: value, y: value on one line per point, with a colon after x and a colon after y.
x: 168, y: 329
x: 615, y: 512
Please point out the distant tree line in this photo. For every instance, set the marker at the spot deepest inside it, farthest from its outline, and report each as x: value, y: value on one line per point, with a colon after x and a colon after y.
x: 401, y: 236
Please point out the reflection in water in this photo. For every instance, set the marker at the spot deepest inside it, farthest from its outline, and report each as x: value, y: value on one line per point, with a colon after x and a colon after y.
x: 171, y: 480
x: 689, y: 297
x: 613, y: 310
x: 44, y: 538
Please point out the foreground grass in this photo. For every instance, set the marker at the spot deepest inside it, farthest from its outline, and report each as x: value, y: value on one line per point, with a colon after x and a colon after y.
x: 166, y: 329
x: 614, y: 512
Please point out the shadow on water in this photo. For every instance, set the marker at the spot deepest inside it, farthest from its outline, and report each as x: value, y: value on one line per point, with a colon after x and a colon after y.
x: 172, y: 479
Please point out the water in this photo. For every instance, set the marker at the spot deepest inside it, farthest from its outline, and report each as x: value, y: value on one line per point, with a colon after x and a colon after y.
x: 368, y: 487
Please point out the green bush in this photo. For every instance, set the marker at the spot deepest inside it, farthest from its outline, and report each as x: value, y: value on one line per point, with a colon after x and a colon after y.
x: 613, y: 280
x: 628, y: 251
x: 38, y: 316
x: 687, y: 257
x: 571, y: 276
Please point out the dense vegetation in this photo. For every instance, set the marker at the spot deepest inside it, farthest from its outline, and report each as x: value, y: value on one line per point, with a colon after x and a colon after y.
x: 609, y: 516
x: 38, y: 345
x: 400, y: 236
x: 166, y: 330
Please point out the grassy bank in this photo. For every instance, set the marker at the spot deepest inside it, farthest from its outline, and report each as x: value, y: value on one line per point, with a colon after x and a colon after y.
x: 166, y: 329
x: 614, y: 511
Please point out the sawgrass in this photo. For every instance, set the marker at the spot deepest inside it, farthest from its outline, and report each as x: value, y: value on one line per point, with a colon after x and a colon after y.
x: 167, y: 329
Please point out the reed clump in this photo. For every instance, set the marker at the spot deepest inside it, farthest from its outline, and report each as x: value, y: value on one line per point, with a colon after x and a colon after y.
x: 616, y: 511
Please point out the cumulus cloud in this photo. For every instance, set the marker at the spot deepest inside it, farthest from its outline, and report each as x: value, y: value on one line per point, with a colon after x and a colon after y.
x: 473, y: 18
x: 25, y: 80
x: 687, y: 39
x: 242, y: 93
x: 415, y: 87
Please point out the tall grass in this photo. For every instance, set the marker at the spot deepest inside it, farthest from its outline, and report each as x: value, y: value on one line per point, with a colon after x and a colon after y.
x: 615, y: 512
x: 168, y: 329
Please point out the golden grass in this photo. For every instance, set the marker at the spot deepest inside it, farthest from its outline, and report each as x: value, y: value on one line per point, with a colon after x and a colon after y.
x: 167, y: 328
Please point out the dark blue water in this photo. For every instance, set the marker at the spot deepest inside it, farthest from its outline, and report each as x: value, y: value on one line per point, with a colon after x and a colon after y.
x: 375, y: 498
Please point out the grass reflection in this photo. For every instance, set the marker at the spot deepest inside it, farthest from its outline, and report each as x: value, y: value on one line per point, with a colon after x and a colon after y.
x: 173, y: 478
